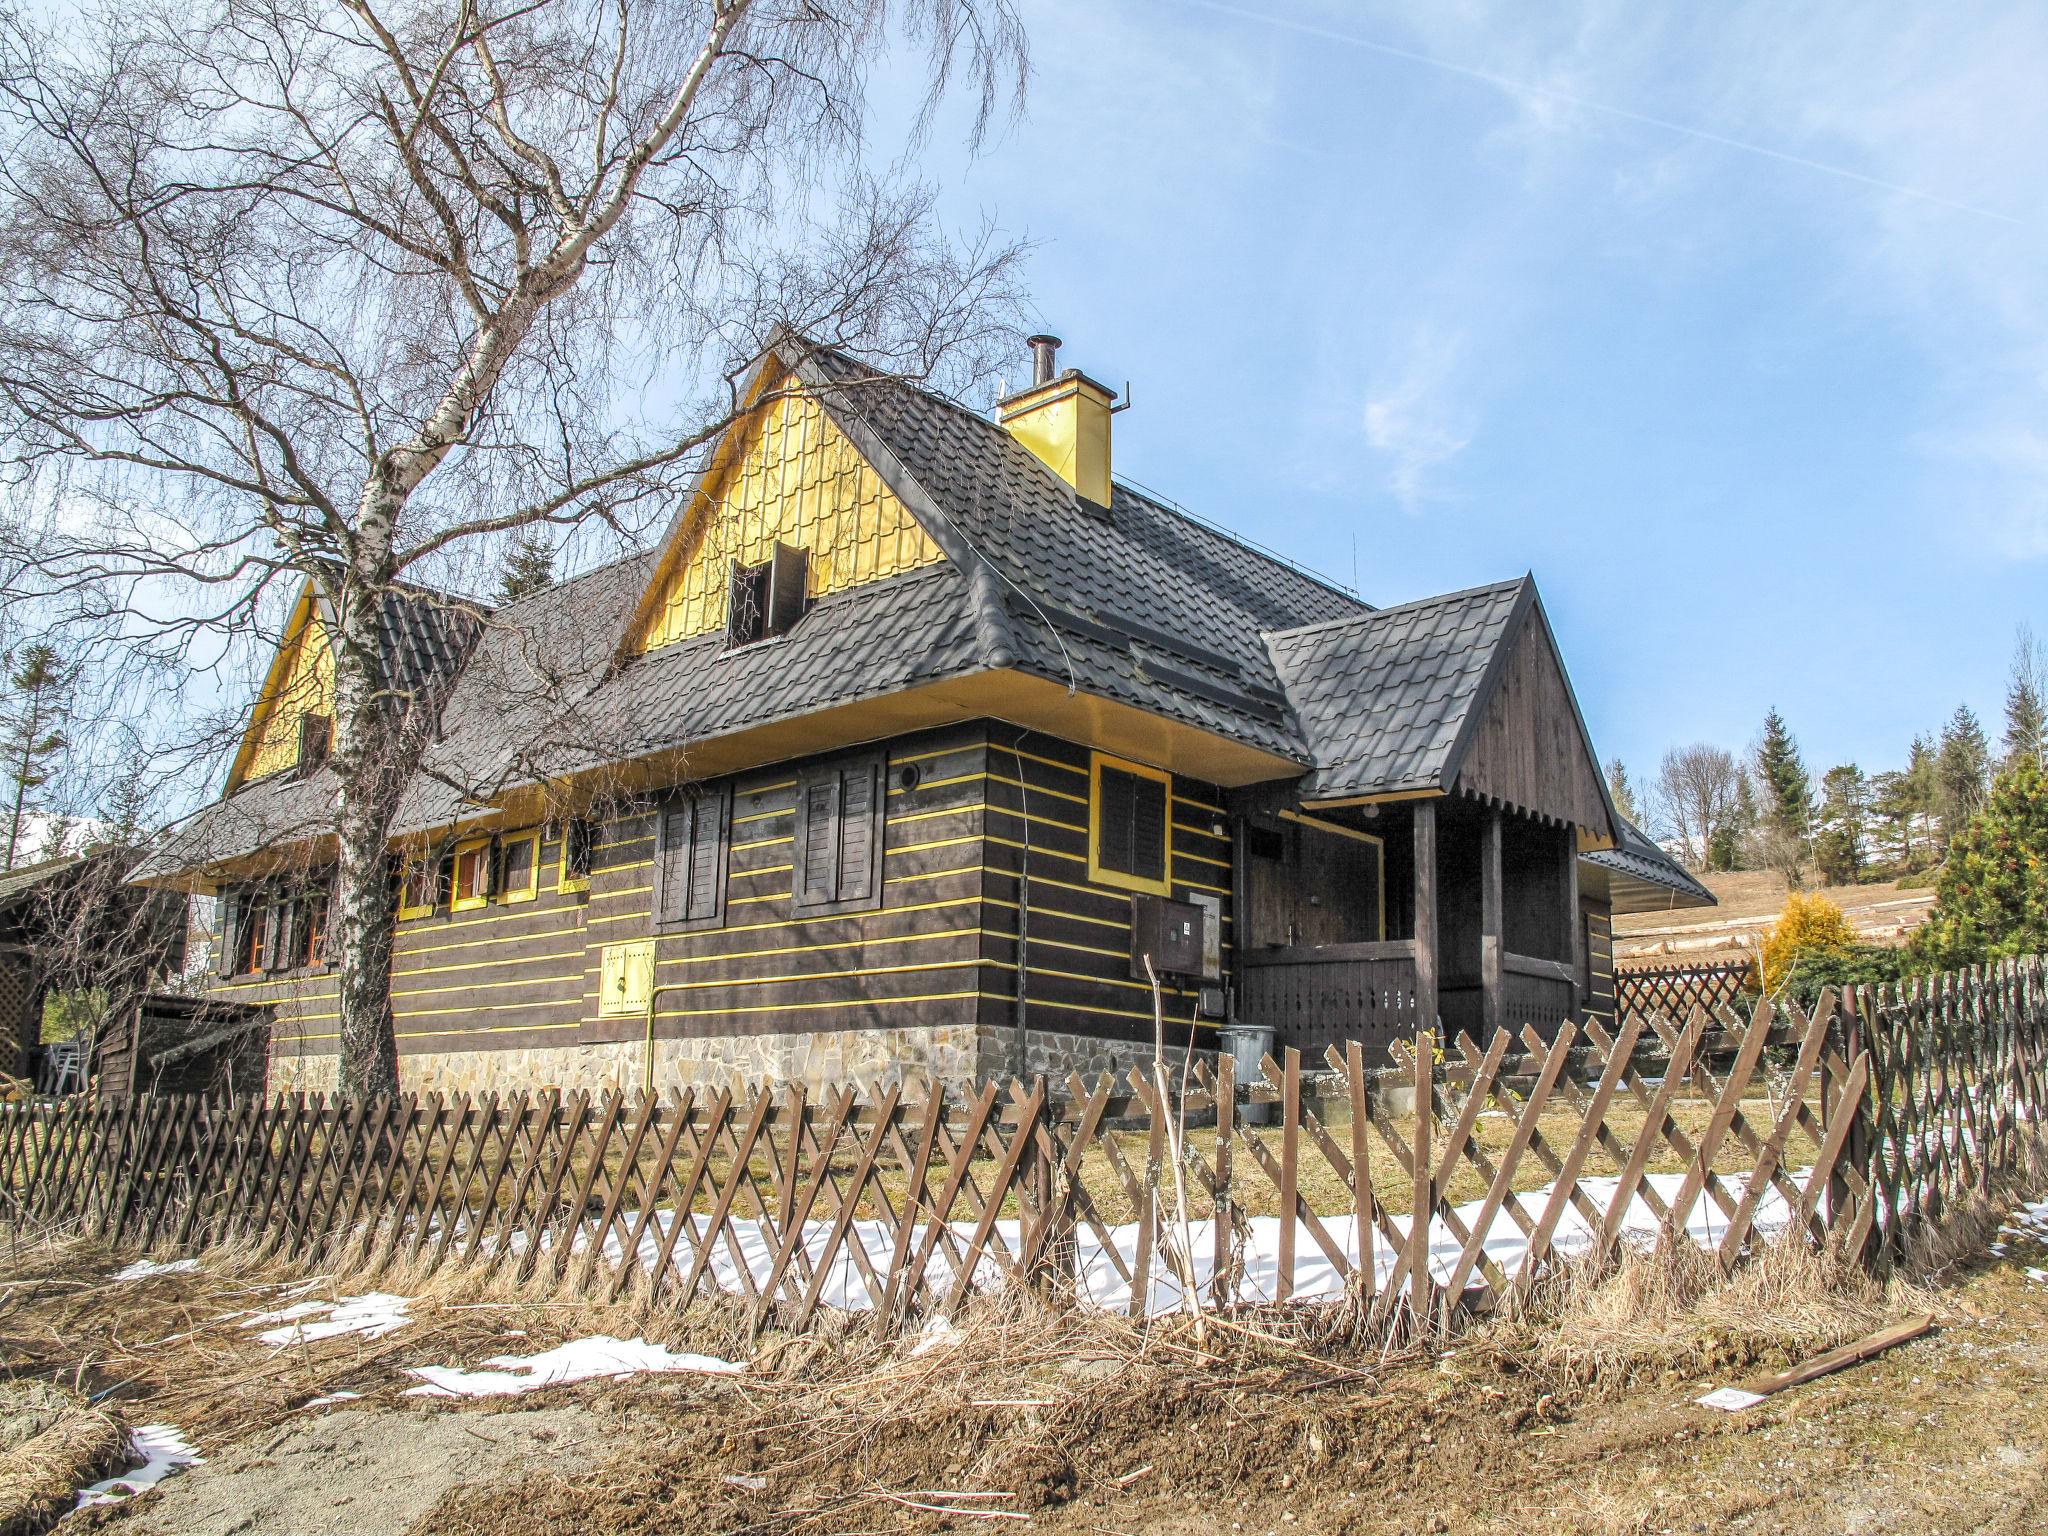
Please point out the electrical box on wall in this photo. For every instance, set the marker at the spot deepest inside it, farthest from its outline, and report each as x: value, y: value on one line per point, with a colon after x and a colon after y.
x: 625, y: 977
x: 1169, y: 932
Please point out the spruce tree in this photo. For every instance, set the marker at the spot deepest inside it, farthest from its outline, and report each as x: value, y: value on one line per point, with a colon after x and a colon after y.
x: 2026, y: 713
x: 32, y: 715
x: 1839, y: 839
x: 1991, y: 901
x: 1621, y: 792
x: 529, y: 567
x: 1962, y: 771
x: 1785, y: 821
x: 1923, y: 796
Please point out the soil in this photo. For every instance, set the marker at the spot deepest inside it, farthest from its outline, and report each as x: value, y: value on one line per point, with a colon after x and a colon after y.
x: 1056, y: 1426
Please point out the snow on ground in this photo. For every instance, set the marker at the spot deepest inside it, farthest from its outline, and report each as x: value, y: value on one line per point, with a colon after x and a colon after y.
x: 577, y: 1360
x: 162, y: 1451
x: 1102, y: 1277
x: 143, y: 1269
x: 307, y: 1322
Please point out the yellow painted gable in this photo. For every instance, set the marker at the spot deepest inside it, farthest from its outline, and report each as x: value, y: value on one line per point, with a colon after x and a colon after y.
x: 788, y: 475
x: 301, y: 682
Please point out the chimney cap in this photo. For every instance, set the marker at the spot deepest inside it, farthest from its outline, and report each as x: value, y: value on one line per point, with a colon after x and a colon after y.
x: 1043, y: 349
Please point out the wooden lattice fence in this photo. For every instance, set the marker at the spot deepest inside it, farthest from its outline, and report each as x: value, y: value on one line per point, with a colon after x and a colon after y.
x: 1853, y: 1123
x: 1676, y: 990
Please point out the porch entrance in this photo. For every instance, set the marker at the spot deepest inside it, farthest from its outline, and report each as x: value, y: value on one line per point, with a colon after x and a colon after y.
x: 1362, y: 922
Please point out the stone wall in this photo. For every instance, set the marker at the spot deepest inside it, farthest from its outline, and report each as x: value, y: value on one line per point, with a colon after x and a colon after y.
x: 872, y: 1057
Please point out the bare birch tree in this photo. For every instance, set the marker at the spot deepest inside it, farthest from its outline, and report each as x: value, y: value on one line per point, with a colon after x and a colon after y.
x: 332, y: 290
x: 1699, y: 789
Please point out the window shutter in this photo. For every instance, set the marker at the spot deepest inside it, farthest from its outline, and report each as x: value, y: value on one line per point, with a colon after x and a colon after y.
x: 672, y: 861
x: 1148, y: 829
x: 858, y: 856
x: 230, y: 933
x: 788, y: 569
x: 1115, y: 830
x: 275, y: 911
x: 689, y: 871
x: 707, y: 847
x: 818, y: 845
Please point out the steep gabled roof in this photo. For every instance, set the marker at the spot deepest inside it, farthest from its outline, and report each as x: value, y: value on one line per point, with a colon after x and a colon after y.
x: 1385, y: 698
x: 1423, y: 698
x: 423, y: 636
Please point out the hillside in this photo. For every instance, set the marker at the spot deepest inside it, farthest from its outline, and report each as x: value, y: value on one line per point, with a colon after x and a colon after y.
x: 1750, y: 901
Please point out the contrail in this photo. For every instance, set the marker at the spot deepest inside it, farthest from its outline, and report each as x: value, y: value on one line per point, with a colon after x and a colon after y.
x: 1521, y: 87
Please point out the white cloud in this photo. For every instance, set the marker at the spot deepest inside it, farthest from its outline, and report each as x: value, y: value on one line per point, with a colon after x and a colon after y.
x: 1413, y: 420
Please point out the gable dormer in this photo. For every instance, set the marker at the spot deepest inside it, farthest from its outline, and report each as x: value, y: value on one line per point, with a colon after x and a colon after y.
x: 292, y: 722
x: 787, y: 512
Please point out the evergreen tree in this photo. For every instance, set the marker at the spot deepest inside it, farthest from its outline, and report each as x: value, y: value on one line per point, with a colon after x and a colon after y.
x: 32, y: 715
x: 1892, y: 813
x: 1728, y: 848
x: 1992, y: 898
x: 1840, y: 837
x: 1923, y: 796
x: 1962, y: 769
x: 1621, y: 792
x: 529, y: 566
x: 1786, y: 819
x: 2026, y: 713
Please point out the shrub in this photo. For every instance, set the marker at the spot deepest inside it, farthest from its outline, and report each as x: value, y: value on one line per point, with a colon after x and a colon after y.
x: 1811, y: 968
x: 1809, y: 924
x: 1991, y: 899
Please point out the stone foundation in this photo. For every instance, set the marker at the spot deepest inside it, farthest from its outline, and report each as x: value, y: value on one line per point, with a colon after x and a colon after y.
x: 953, y: 1054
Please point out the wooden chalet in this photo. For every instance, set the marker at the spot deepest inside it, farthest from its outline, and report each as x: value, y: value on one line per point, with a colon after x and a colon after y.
x: 909, y: 742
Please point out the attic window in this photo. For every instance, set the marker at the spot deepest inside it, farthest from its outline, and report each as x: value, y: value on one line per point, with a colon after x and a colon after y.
x: 316, y: 736
x: 766, y: 600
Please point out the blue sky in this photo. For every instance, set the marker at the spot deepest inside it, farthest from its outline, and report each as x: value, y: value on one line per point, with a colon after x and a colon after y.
x: 1730, y: 322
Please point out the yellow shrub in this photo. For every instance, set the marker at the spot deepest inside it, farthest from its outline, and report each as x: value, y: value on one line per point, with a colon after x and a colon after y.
x: 1808, y: 922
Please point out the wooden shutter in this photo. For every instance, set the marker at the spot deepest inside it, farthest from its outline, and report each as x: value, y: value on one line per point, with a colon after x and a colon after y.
x: 839, y: 835
x: 230, y: 933
x: 275, y: 912
x: 690, y: 859
x: 1148, y: 828
x: 859, y: 859
x: 788, y: 570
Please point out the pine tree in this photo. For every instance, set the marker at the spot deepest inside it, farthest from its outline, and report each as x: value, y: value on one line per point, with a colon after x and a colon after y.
x: 529, y: 567
x: 1839, y: 840
x: 1892, y: 811
x: 1621, y: 792
x: 32, y: 714
x: 1962, y: 771
x: 2026, y: 713
x: 1923, y: 795
x: 1788, y: 793
x: 1992, y: 898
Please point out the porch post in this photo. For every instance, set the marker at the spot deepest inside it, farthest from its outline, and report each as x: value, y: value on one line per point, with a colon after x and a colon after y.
x: 1425, y: 913
x: 1576, y: 945
x: 1492, y: 998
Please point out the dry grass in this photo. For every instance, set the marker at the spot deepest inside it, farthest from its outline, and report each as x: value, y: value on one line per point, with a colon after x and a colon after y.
x: 51, y: 1443
x: 1669, y: 1313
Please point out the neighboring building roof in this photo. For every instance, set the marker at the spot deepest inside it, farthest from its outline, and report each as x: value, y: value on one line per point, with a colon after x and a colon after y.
x: 1644, y: 878
x: 21, y: 880
x: 1422, y: 665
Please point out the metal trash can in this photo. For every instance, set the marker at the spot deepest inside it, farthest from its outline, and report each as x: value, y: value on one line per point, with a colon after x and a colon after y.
x: 1249, y: 1045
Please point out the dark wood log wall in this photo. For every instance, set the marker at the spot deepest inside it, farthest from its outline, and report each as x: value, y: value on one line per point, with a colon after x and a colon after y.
x: 966, y: 806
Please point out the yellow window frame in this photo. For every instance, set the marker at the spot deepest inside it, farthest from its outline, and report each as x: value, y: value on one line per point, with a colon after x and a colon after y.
x: 457, y: 902
x: 564, y: 881
x: 1163, y: 886
x: 406, y: 870
x: 532, y: 887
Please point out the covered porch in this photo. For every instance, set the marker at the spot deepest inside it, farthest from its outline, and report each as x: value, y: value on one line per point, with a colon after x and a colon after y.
x: 1361, y: 923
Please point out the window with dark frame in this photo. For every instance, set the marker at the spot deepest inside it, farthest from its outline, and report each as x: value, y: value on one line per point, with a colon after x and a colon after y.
x: 519, y: 868
x: 839, y: 829
x: 578, y: 838
x: 316, y: 739
x: 766, y: 600
x: 420, y: 888
x: 1130, y: 825
x: 691, y: 833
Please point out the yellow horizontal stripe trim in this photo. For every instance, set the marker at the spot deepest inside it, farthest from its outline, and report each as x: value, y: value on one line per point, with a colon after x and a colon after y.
x: 422, y: 1013
x: 764, y: 842
x: 1037, y: 789
x: 961, y: 964
x: 470, y: 986
x: 482, y: 965
x: 958, y: 778
x: 925, y: 997
x: 805, y: 949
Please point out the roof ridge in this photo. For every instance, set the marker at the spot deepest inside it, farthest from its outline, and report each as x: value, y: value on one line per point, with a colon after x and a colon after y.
x: 554, y: 587
x: 1397, y: 609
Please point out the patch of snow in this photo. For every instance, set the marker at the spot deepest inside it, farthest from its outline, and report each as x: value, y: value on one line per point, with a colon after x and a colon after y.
x: 330, y: 1398
x: 143, y: 1269
x: 307, y: 1322
x: 2037, y: 1276
x: 578, y: 1360
x: 938, y: 1333
x: 162, y: 1449
x: 1729, y: 1399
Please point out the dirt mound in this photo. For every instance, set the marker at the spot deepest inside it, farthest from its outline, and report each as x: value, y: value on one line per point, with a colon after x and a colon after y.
x: 51, y: 1443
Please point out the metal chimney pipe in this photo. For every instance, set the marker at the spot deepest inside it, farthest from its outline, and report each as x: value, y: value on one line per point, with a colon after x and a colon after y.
x: 1043, y: 349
